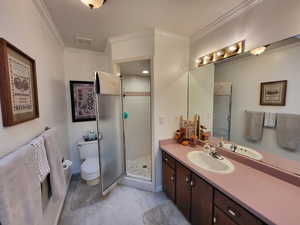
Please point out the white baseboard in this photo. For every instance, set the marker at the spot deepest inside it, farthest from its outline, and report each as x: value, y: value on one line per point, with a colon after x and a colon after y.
x: 159, y: 188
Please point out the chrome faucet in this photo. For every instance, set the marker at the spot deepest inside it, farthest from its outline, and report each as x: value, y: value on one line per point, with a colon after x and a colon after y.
x: 213, y: 153
x: 233, y: 147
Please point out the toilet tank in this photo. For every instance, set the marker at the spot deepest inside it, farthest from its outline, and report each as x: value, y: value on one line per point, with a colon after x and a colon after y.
x: 88, y: 149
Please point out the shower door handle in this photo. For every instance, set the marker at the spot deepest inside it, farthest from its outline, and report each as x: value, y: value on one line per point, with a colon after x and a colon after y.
x: 100, y: 136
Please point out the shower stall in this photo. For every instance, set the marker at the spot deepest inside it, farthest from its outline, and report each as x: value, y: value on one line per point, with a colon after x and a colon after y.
x: 136, y: 87
x: 124, y: 125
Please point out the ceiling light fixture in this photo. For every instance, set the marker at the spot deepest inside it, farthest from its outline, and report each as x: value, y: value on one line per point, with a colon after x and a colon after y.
x: 258, y: 51
x: 224, y: 53
x: 145, y: 72
x: 93, y: 4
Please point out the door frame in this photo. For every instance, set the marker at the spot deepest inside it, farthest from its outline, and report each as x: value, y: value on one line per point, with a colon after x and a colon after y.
x: 147, y: 185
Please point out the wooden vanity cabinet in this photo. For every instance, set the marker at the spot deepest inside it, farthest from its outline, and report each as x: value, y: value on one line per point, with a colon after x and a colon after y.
x: 168, y: 176
x: 194, y: 197
x: 183, y: 187
x: 199, y: 201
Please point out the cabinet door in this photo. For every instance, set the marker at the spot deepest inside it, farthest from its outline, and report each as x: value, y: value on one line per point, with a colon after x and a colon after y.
x: 221, y: 218
x: 183, y: 190
x: 201, y: 202
x: 168, y: 181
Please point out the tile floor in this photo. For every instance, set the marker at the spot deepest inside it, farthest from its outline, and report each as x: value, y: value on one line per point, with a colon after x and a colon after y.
x: 124, y: 206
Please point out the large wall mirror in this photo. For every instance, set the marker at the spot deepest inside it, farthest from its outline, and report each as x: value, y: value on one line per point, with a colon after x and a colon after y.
x: 253, y: 103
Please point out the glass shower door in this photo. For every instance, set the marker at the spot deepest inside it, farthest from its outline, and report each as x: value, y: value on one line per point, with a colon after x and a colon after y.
x: 222, y: 110
x: 109, y: 125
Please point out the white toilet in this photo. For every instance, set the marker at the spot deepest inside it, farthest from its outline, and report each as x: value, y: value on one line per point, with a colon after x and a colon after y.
x: 90, y: 162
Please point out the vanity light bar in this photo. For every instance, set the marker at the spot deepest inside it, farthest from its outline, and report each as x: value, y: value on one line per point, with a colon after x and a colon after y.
x: 229, y: 51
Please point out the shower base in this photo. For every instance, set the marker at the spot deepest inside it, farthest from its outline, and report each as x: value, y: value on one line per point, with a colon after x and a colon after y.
x: 140, y: 168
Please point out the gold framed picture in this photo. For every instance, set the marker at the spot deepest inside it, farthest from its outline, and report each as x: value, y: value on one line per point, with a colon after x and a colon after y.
x: 273, y: 93
x: 18, y: 86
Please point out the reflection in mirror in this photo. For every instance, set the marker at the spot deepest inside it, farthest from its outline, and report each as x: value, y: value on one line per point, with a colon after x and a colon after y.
x: 251, y: 102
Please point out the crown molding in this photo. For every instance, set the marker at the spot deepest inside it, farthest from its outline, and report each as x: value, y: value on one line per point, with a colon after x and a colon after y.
x: 229, y: 15
x: 170, y: 34
x: 43, y: 10
x: 83, y: 50
x: 131, y: 36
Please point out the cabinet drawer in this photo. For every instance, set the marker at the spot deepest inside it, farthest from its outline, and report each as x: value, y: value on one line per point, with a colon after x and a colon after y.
x: 221, y: 218
x: 234, y: 211
x: 168, y: 159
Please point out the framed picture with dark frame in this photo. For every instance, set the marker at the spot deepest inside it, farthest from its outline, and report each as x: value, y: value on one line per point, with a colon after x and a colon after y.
x: 83, y: 101
x: 273, y: 93
x: 18, y: 85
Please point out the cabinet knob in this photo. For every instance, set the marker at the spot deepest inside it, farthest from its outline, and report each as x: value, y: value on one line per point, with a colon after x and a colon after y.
x: 166, y: 159
x: 231, y: 212
x: 172, y: 178
x: 215, y: 219
x: 187, y: 180
x: 192, y: 184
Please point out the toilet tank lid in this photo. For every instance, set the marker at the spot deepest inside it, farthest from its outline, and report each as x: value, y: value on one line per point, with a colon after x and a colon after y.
x: 82, y: 143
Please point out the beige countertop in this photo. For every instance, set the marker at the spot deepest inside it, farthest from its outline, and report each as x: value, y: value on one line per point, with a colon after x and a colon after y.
x: 271, y: 199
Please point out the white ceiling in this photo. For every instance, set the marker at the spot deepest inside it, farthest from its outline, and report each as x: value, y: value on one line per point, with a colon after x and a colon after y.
x: 116, y: 17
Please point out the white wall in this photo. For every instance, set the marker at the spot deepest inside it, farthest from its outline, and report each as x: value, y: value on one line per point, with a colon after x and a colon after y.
x: 131, y: 46
x: 22, y: 24
x: 268, y: 22
x: 201, y: 89
x: 170, y: 66
x: 80, y: 65
x: 246, y: 74
x: 134, y: 83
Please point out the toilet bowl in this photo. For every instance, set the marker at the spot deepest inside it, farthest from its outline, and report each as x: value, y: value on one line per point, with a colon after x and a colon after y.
x: 89, y: 169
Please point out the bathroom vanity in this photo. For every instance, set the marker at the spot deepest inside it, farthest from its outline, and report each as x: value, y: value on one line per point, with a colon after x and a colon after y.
x: 244, y: 196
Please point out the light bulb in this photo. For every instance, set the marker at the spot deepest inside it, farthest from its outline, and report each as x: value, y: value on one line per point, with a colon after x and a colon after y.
x: 258, y: 51
x: 232, y: 48
x: 220, y: 53
x: 145, y: 72
x: 93, y: 4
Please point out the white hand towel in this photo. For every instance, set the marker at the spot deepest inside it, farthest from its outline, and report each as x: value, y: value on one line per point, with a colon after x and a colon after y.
x: 57, y: 175
x: 20, y: 189
x: 270, y: 120
x: 288, y: 131
x: 40, y: 155
x: 254, y: 126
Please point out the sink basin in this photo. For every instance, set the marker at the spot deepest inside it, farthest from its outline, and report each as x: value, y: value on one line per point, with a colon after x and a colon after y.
x: 249, y: 152
x: 207, y: 162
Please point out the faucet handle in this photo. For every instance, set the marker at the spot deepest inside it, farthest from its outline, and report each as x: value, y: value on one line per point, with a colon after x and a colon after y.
x: 207, y: 147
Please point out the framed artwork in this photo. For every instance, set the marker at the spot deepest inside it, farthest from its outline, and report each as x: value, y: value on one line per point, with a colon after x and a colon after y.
x: 273, y: 93
x: 83, y: 101
x: 18, y: 86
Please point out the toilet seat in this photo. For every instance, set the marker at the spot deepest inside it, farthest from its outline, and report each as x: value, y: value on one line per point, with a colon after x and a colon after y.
x: 90, y: 169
